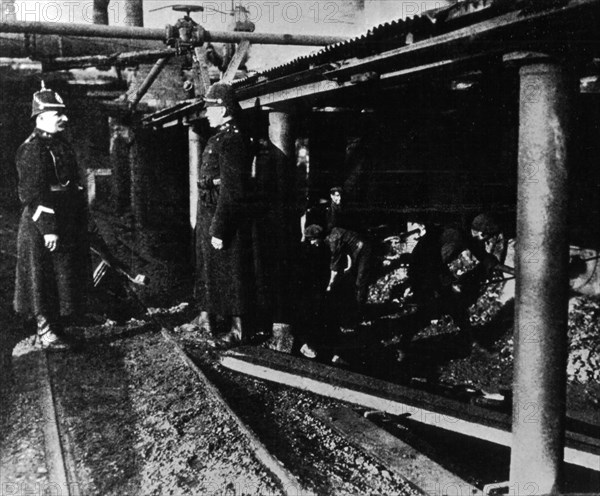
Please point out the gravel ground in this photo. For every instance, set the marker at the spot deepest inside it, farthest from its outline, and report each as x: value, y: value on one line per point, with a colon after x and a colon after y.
x: 22, y: 454
x: 138, y: 421
x: 282, y: 418
x: 142, y: 423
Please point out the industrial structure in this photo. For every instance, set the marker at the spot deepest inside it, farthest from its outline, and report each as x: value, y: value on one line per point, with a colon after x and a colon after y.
x: 474, y: 105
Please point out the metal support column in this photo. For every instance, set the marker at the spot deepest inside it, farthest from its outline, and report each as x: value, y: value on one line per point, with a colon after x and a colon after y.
x: 284, y: 223
x: 195, y: 155
x: 539, y: 389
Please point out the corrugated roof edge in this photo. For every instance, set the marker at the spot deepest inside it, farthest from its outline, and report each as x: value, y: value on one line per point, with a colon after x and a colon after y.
x: 391, y: 35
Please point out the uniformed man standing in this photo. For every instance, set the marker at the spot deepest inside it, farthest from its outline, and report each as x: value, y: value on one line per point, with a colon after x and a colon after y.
x: 53, y: 253
x: 224, y: 257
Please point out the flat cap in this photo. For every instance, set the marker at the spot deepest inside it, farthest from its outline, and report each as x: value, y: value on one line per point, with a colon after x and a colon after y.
x: 313, y: 232
x: 486, y: 224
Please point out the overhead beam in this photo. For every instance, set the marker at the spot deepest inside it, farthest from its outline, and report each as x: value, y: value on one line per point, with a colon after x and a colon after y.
x: 315, y: 89
x: 139, y: 33
x: 322, y: 85
x: 517, y: 30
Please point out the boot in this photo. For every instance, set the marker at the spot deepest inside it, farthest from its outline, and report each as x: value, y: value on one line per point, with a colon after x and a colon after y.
x: 282, y: 339
x: 203, y: 323
x: 47, y: 336
x: 235, y: 337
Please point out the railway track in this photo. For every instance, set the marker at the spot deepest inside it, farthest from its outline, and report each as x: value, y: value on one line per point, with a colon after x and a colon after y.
x: 60, y: 460
x: 273, y: 459
x: 64, y: 471
x: 289, y: 482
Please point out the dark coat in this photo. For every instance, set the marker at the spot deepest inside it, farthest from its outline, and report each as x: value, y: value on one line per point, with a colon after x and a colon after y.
x: 225, y: 278
x: 50, y: 283
x: 344, y: 243
x: 437, y: 289
x: 335, y: 217
x: 428, y: 271
x: 278, y: 228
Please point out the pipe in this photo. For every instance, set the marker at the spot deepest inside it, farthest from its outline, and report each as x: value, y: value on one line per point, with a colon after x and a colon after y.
x: 150, y: 78
x: 115, y: 59
x: 541, y: 304
x: 44, y: 47
x: 140, y: 33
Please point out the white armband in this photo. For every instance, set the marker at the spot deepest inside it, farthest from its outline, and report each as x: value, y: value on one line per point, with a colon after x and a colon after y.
x: 41, y: 210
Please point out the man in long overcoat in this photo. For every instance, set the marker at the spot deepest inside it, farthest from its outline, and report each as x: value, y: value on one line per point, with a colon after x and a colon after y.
x: 224, y: 254
x: 52, y: 272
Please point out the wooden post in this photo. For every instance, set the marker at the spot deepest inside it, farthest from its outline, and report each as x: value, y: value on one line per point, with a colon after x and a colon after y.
x: 136, y: 160
x: 100, y: 15
x: 195, y: 156
x: 134, y: 13
x: 120, y: 141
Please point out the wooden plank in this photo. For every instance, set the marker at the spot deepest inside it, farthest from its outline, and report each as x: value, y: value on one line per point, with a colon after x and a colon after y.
x: 201, y: 75
x: 394, y: 454
x: 420, y: 406
x: 55, y: 461
x: 241, y: 52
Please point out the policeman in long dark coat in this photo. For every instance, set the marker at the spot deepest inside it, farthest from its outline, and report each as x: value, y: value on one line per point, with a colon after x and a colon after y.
x: 52, y: 269
x: 224, y: 270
